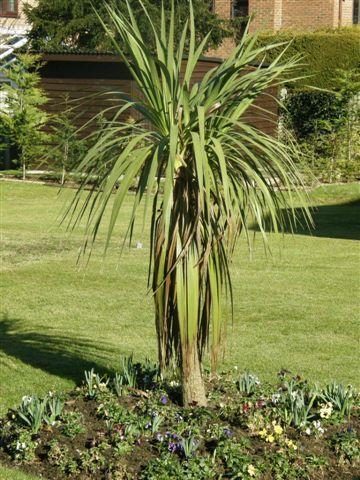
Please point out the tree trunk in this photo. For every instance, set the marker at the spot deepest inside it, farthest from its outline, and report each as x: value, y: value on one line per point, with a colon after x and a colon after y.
x: 63, y: 176
x: 24, y: 171
x: 65, y: 162
x: 193, y: 387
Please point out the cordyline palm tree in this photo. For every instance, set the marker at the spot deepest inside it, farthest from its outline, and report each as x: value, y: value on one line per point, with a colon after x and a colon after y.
x: 201, y: 169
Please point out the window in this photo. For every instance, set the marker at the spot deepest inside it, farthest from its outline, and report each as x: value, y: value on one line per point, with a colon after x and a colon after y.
x: 356, y: 12
x: 239, y: 8
x: 9, y: 8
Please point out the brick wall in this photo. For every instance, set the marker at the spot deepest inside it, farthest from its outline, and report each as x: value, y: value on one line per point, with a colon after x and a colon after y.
x: 223, y: 51
x: 223, y: 9
x: 278, y: 14
x: 288, y: 14
x: 300, y: 14
x: 266, y: 14
x: 347, y: 12
x: 310, y: 15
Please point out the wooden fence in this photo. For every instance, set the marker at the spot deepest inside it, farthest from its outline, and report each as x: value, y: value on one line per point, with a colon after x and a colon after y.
x: 92, y: 83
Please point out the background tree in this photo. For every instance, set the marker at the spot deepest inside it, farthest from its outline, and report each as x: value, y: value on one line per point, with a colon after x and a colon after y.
x: 204, y: 171
x: 69, y: 147
x: 22, y: 119
x: 68, y: 25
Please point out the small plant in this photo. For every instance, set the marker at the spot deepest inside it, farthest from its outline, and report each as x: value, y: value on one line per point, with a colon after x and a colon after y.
x: 59, y: 455
x: 218, y: 431
x: 90, y: 383
x: 132, y: 374
x: 296, y: 408
x: 295, y: 402
x: 118, y: 383
x: 115, y: 414
x: 341, y: 398
x: 93, y: 459
x: 247, y: 383
x: 166, y: 467
x: 280, y: 465
x: 54, y: 409
x: 130, y: 371
x: 94, y: 383
x: 188, y: 447
x: 150, y: 374
x: 118, y: 471
x: 346, y: 444
x: 32, y: 412
x: 122, y: 448
x: 72, y: 424
x: 155, y: 423
x: 22, y: 448
x: 131, y: 431
x: 235, y: 459
x: 135, y: 375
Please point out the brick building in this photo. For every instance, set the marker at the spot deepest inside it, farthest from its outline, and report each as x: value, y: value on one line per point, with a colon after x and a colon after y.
x: 287, y: 14
x: 12, y: 18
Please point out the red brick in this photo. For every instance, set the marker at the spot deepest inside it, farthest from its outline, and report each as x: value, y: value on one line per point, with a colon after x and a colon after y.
x: 288, y: 14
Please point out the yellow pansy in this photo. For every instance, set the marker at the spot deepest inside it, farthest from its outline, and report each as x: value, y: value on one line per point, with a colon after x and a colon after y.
x: 291, y: 444
x: 263, y: 433
x: 251, y: 470
x: 278, y: 429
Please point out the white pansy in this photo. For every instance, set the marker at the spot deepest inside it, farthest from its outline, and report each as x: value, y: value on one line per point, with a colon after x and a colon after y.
x: 326, y: 410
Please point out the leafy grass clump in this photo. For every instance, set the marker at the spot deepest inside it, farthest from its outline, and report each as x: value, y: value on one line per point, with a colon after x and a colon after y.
x: 289, y: 429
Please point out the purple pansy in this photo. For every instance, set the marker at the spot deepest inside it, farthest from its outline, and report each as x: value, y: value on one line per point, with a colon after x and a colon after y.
x: 173, y: 447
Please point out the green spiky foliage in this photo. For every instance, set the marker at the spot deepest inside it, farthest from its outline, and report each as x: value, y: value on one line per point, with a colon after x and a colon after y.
x: 202, y: 172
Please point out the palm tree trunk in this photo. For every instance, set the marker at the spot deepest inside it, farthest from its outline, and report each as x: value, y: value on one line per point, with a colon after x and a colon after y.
x: 193, y: 388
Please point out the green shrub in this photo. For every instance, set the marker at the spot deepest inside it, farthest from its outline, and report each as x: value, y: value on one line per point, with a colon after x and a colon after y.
x: 307, y: 109
x: 327, y: 126
x: 324, y: 52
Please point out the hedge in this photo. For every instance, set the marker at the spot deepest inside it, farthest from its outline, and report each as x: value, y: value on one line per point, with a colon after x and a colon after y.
x: 324, y: 52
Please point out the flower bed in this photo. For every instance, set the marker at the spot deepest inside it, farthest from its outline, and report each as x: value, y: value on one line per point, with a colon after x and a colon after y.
x: 132, y: 427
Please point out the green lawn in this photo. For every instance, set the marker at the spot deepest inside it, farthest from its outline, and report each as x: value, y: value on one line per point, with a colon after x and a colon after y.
x: 11, y: 474
x: 297, y: 309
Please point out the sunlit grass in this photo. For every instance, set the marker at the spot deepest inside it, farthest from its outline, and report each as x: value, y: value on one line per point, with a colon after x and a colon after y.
x: 296, y: 309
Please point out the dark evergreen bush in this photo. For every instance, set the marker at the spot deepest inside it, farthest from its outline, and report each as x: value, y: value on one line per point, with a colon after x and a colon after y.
x: 308, y: 111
